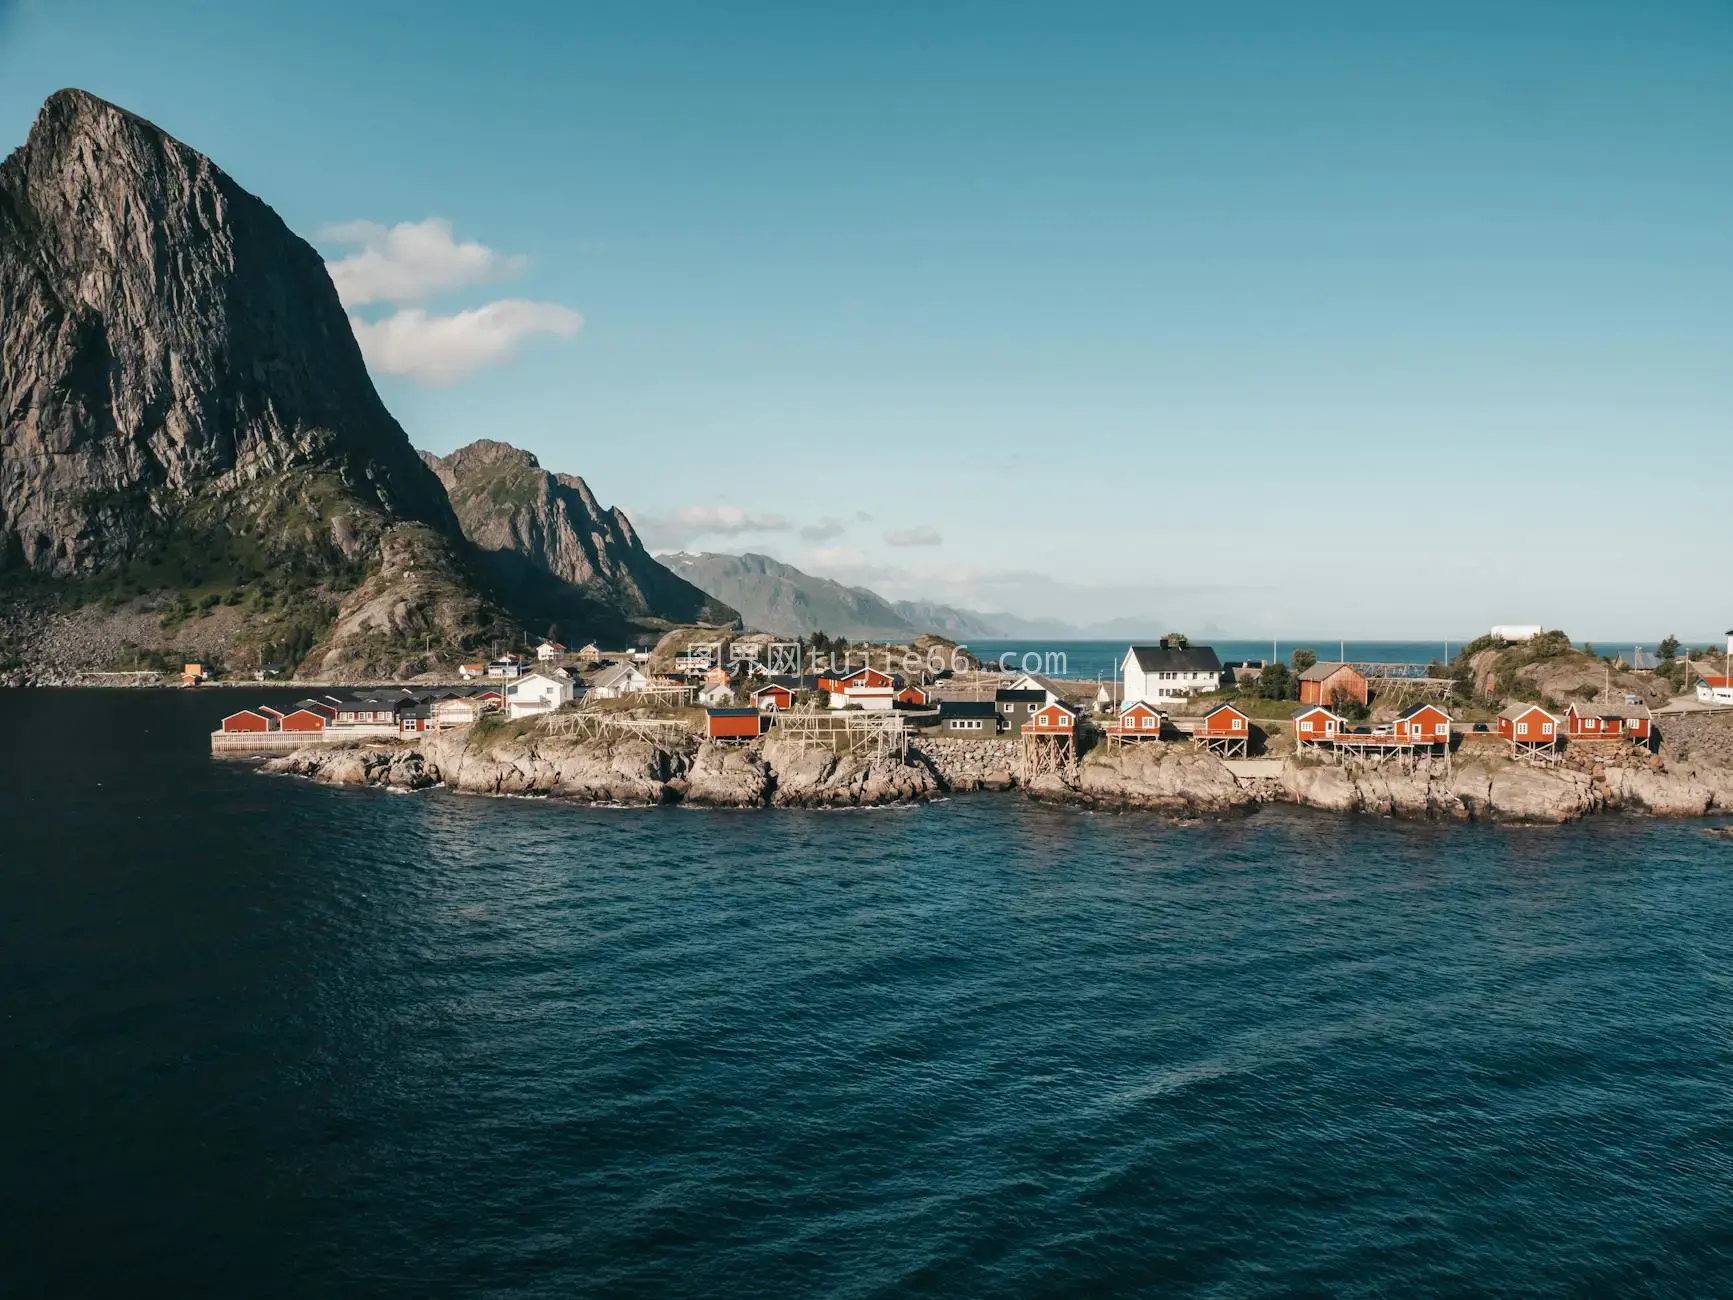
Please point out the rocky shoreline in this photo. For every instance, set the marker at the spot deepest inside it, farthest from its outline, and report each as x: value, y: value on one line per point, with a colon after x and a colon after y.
x: 1164, y: 779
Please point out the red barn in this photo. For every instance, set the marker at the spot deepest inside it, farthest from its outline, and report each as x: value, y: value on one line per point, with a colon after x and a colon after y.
x: 732, y: 724
x: 1423, y: 724
x: 773, y: 698
x: 247, y: 720
x: 303, y: 720
x: 914, y: 695
x: 1528, y: 726
x: 1323, y: 683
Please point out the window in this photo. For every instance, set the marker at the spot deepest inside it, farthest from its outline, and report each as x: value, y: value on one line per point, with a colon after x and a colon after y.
x: 1006, y: 707
x: 1546, y: 728
x: 1236, y: 724
x: 1522, y: 728
x: 1148, y: 722
x: 1305, y: 726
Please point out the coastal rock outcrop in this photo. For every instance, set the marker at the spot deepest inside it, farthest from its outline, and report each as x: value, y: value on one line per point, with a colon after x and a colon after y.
x: 1157, y: 777
x: 727, y: 776
x: 623, y: 769
x: 814, y: 777
x: 1478, y: 790
x: 963, y: 765
x: 392, y: 766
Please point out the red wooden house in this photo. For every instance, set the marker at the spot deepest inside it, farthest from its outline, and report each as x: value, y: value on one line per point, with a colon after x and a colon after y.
x: 1608, y: 722
x: 1529, y: 727
x: 1055, y: 719
x: 247, y: 720
x: 732, y: 724
x: 1317, y: 726
x: 1423, y: 724
x: 852, y: 679
x: 914, y: 696
x: 772, y: 698
x: 304, y: 719
x: 1139, y: 720
x: 1224, y: 730
x: 1324, y: 683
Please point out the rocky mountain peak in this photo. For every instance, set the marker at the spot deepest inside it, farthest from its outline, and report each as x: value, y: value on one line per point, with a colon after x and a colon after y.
x: 163, y: 337
x: 532, y: 522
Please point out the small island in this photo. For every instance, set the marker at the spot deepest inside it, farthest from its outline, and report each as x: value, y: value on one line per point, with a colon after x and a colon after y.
x: 1537, y: 730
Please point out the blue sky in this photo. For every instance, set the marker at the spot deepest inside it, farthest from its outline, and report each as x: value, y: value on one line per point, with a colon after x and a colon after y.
x: 1258, y: 315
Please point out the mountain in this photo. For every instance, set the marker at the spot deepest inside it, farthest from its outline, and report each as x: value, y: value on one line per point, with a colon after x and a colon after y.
x: 183, y: 405
x: 532, y: 526
x: 194, y: 462
x: 776, y: 597
x: 947, y: 620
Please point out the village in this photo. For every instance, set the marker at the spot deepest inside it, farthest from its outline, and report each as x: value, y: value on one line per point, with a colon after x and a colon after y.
x: 732, y: 691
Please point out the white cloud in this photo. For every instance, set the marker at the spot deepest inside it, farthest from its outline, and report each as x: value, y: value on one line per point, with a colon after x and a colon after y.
x: 838, y: 557
x: 688, y: 525
x: 823, y: 531
x: 410, y: 261
x: 922, y: 536
x: 445, y: 349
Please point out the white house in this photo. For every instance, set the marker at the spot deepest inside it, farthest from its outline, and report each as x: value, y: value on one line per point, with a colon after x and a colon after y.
x: 717, y: 695
x: 1715, y: 690
x: 864, y: 688
x: 617, y: 680
x: 506, y: 666
x: 536, y: 692
x: 1035, y: 682
x: 548, y: 651
x: 1164, y: 673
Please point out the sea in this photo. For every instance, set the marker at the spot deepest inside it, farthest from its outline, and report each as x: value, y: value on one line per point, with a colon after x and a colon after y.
x: 259, y: 1037
x: 1101, y: 659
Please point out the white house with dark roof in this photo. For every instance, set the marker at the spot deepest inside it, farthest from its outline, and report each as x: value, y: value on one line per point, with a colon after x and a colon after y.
x: 1163, y: 673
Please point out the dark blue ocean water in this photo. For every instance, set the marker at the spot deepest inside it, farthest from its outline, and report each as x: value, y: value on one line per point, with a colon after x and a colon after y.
x: 262, y: 1038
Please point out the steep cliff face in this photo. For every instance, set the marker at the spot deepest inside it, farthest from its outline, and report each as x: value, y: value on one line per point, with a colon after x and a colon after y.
x: 530, y: 524
x: 173, y: 359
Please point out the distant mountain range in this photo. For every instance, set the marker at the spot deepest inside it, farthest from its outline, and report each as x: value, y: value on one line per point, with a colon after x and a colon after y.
x: 776, y: 597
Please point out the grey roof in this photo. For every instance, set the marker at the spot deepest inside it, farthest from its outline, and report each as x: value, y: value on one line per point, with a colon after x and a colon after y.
x: 732, y: 713
x: 1005, y: 695
x: 1324, y: 669
x: 968, y: 709
x: 1516, y: 708
x: 1192, y: 659
x: 1588, y: 708
x: 614, y: 674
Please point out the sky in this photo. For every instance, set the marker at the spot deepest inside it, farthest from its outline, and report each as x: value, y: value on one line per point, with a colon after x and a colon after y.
x: 1359, y: 320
